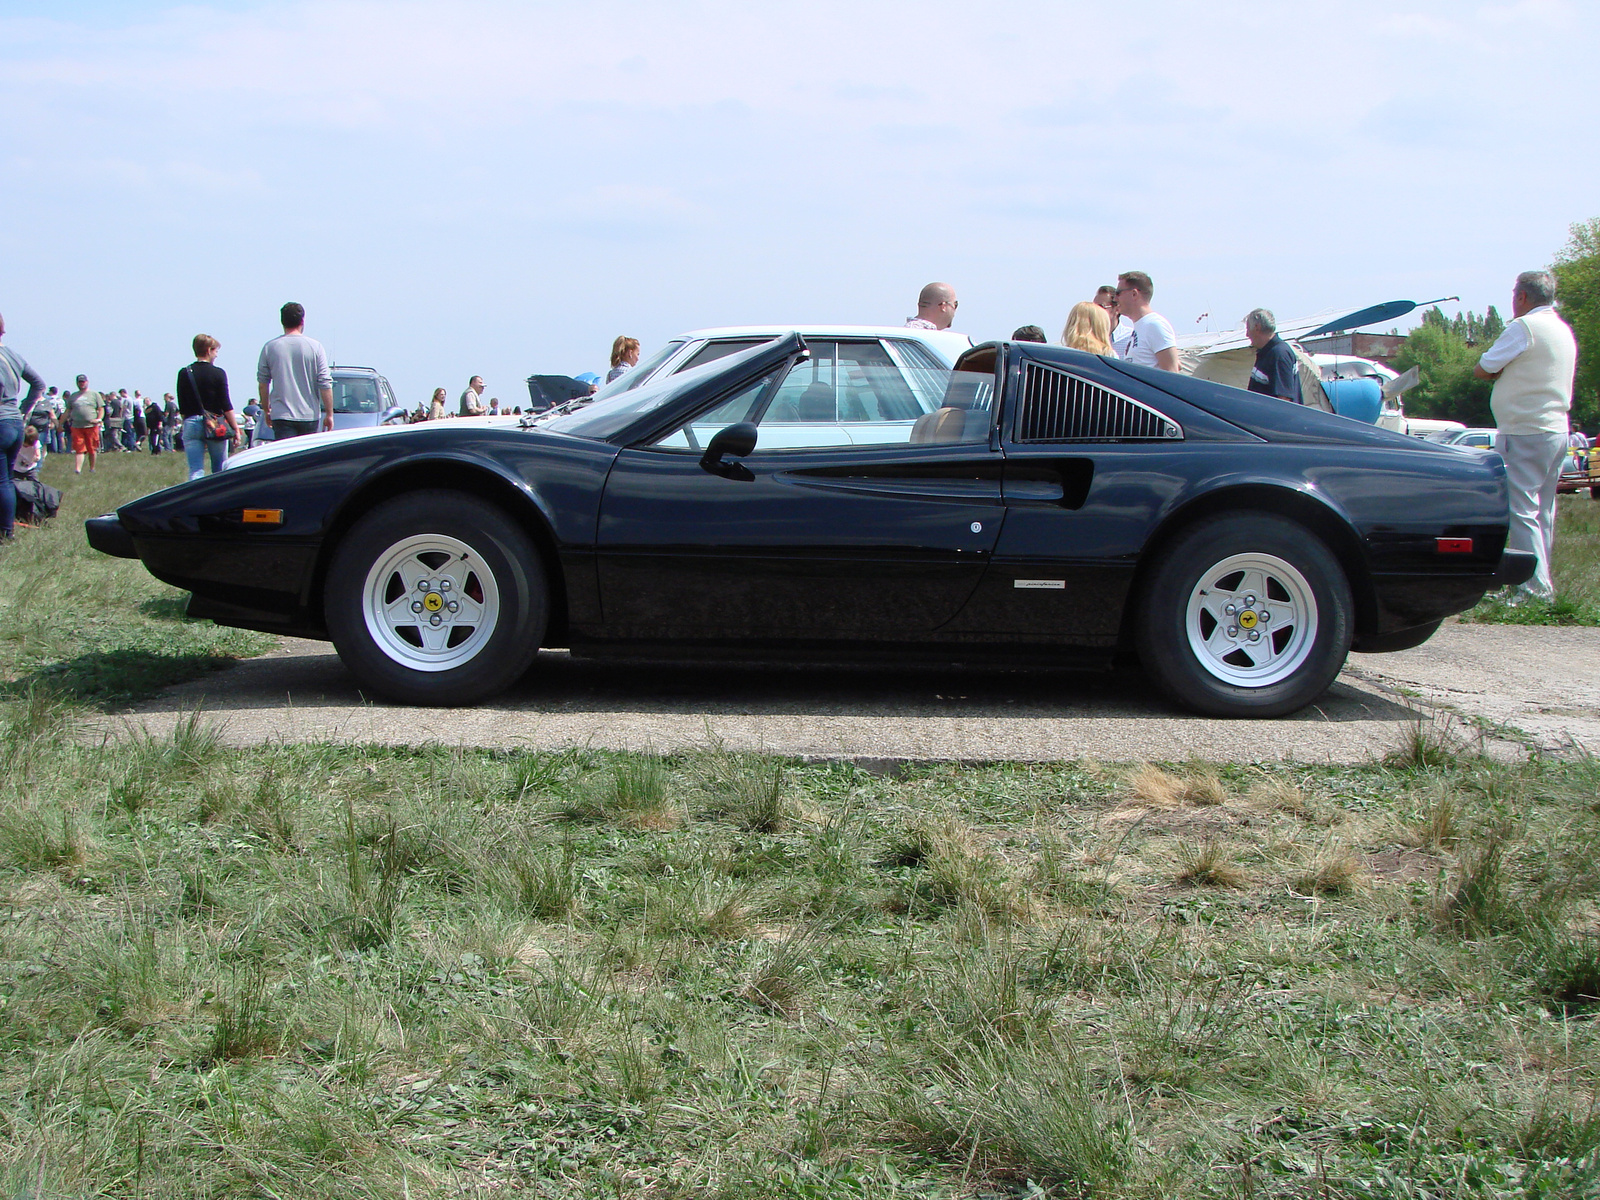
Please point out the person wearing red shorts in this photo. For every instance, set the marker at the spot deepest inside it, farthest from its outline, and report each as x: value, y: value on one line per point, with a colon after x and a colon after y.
x: 85, y: 409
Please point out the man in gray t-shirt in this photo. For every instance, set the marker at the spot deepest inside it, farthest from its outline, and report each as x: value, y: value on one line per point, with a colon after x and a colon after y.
x: 291, y: 375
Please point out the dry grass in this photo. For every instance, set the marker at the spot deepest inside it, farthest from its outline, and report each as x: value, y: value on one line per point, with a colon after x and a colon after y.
x: 1284, y: 796
x: 1208, y: 864
x: 1332, y: 869
x: 954, y: 868
x: 1436, y: 823
x: 1197, y: 786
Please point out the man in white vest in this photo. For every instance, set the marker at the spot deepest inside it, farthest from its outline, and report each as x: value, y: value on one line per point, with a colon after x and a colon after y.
x: 1532, y: 366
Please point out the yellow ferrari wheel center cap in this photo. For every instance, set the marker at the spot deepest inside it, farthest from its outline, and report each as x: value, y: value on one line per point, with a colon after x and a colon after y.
x: 1247, y: 619
x: 433, y: 602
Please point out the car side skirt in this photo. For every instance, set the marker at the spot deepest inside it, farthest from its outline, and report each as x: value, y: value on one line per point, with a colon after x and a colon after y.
x: 842, y: 653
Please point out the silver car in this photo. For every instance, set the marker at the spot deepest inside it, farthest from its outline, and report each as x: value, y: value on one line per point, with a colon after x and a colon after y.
x: 362, y: 397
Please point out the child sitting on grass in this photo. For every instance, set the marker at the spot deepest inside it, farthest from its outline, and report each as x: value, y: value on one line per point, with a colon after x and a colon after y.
x: 31, y: 457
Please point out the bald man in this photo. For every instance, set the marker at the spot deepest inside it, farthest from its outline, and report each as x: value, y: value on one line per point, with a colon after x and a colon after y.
x: 936, y: 307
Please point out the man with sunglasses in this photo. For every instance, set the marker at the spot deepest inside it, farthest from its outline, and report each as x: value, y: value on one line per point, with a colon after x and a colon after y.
x: 936, y: 307
x: 1151, y: 342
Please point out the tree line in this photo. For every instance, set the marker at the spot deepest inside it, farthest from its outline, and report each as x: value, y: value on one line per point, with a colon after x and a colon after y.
x: 1445, y: 349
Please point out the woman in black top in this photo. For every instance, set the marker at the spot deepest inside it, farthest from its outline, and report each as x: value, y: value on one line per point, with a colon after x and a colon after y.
x: 202, y: 389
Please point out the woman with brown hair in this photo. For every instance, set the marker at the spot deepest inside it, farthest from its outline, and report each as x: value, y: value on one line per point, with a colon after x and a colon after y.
x: 624, y: 357
x: 210, y: 425
x: 436, y: 405
x: 1087, y: 329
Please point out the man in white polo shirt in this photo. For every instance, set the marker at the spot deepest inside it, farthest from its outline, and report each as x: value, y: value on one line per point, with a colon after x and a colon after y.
x: 1150, y: 342
x: 1532, y: 366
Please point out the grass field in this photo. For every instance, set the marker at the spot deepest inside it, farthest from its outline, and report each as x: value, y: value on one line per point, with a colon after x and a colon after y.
x: 1575, y: 566
x: 340, y: 971
x: 95, y: 629
x: 343, y: 971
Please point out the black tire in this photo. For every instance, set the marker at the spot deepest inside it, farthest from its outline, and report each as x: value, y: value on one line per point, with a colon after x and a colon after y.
x: 1594, y: 493
x: 1315, y: 629
x: 498, y: 649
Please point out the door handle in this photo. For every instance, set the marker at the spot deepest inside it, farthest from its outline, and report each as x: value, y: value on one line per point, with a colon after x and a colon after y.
x: 1033, y: 491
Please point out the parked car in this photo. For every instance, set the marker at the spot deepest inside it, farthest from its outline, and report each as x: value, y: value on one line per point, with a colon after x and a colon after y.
x: 1033, y: 506
x: 1477, y: 439
x: 1432, y: 430
x: 1581, y: 469
x: 362, y: 397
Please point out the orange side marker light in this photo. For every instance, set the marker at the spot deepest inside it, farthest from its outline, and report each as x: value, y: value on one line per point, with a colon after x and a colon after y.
x: 263, y: 516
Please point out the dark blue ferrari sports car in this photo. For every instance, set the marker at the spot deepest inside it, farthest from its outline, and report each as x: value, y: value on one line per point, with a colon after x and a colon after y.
x: 837, y: 501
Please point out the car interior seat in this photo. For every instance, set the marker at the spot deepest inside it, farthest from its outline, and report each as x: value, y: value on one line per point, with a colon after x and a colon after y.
x: 941, y: 425
x: 852, y: 407
x: 817, y: 403
x: 958, y: 419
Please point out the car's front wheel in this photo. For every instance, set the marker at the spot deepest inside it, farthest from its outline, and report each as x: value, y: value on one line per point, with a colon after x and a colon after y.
x: 436, y: 597
x: 1245, y: 615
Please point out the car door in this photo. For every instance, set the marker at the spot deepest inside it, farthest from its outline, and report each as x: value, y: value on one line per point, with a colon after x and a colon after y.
x: 848, y: 521
x: 1084, y: 462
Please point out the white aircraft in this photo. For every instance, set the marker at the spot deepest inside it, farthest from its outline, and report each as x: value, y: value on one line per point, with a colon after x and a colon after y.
x: 1227, y: 356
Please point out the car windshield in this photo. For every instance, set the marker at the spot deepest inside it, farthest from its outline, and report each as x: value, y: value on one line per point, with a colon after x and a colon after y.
x: 606, y: 415
x: 356, y: 394
x: 635, y: 376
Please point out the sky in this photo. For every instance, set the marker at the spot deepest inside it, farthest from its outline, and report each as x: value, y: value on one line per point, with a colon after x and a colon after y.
x: 502, y: 188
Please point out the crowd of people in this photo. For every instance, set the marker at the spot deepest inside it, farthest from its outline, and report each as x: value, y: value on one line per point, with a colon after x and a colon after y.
x: 1121, y: 320
x: 197, y: 417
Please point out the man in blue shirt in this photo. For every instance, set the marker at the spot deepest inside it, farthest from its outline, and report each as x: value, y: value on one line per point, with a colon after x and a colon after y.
x: 1277, y: 372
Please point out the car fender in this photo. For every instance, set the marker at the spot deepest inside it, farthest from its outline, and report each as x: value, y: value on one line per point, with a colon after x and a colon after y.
x: 1234, y: 491
x: 460, y: 469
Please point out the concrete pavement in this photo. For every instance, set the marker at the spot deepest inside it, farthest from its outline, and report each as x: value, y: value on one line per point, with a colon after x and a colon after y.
x: 1543, y: 682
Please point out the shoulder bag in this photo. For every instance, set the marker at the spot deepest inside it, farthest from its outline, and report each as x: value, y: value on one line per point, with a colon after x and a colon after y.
x: 213, y: 426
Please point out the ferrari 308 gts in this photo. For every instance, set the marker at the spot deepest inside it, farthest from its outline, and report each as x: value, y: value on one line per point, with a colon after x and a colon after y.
x: 835, y: 502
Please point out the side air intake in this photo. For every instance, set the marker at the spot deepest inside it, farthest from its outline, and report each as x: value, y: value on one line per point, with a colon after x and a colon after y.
x: 1057, y: 407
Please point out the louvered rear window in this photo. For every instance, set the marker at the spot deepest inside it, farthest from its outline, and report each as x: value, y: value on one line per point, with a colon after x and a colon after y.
x: 1058, y: 407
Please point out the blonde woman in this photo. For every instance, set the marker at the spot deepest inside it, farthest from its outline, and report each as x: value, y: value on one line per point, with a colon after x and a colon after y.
x: 436, y: 405
x: 1087, y: 329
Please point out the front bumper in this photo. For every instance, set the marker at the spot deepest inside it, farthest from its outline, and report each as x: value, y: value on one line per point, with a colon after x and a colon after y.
x: 108, y: 535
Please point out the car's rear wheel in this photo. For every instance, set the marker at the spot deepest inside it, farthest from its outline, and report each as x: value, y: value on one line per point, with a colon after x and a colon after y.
x: 1245, y: 615
x: 436, y: 597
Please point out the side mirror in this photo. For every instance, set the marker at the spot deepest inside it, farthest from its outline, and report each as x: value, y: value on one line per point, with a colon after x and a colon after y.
x: 733, y: 442
x: 393, y: 415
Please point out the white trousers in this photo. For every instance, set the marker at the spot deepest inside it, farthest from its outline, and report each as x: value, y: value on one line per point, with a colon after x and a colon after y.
x: 1533, y: 470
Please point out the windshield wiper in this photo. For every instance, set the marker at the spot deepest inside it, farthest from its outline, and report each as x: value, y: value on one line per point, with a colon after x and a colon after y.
x: 529, y: 420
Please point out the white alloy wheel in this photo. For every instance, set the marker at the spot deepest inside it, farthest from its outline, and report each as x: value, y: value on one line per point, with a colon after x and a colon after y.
x: 430, y: 602
x: 1251, y: 620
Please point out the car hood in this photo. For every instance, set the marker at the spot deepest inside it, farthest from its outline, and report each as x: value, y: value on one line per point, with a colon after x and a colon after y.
x: 269, y: 451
